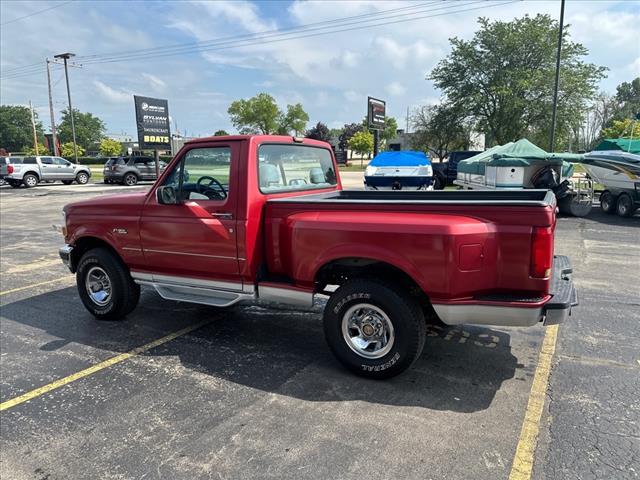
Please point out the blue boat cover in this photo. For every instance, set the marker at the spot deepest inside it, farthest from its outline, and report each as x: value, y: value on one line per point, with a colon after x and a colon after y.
x: 400, y: 159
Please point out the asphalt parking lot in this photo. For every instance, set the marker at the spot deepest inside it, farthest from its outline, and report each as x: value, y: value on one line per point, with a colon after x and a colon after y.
x: 253, y: 391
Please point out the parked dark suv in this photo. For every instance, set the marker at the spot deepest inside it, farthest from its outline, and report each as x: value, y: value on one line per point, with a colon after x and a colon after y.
x: 130, y: 170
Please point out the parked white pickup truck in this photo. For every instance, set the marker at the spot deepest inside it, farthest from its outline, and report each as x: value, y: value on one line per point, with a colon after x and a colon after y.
x: 37, y: 169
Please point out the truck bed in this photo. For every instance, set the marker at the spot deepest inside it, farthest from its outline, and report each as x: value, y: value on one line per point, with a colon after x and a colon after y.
x: 454, y: 244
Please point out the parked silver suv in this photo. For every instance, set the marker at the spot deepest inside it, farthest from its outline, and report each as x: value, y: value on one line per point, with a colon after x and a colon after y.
x: 37, y: 169
x: 130, y: 170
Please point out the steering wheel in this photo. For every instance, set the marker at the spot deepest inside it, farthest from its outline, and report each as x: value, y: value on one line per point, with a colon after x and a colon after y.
x: 219, y: 192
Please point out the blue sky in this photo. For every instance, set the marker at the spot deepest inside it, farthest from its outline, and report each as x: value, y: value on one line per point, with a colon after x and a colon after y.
x: 331, y: 75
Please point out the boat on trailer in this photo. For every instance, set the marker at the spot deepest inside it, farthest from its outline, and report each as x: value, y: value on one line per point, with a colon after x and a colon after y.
x: 619, y: 174
x: 523, y: 165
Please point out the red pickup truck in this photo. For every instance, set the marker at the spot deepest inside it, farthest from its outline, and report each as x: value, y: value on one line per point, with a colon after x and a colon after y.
x: 242, y: 218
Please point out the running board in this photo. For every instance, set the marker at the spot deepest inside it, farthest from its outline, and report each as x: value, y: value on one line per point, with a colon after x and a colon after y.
x: 204, y: 296
x: 204, y: 292
x: 221, y: 294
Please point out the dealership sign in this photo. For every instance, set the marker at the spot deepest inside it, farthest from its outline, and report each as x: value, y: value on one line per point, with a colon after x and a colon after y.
x: 375, y: 113
x: 152, y: 119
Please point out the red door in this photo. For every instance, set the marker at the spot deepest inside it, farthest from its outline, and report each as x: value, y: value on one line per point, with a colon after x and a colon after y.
x: 197, y: 237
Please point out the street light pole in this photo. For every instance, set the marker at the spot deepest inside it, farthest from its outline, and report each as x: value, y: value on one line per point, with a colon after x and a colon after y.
x: 552, y: 142
x: 65, y: 57
x: 53, y: 119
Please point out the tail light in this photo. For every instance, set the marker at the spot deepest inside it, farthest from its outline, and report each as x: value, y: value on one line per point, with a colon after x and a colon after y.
x: 541, y: 252
x: 9, y: 169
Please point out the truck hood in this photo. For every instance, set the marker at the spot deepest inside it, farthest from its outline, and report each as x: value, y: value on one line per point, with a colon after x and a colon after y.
x: 118, y: 204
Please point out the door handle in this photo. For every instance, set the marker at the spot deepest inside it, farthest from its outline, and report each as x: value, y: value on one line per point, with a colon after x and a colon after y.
x: 223, y: 215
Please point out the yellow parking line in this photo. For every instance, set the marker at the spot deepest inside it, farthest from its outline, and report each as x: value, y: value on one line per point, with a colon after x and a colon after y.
x: 523, y: 461
x: 19, y: 289
x: 99, y: 366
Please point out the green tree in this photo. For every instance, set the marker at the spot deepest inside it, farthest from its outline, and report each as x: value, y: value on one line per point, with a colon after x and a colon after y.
x: 31, y: 150
x: 295, y: 118
x: 628, y: 98
x: 220, y: 133
x: 89, y: 129
x: 319, y: 132
x: 439, y: 129
x: 348, y: 131
x: 626, y: 128
x: 108, y: 147
x: 503, y: 77
x: 66, y: 150
x: 258, y: 114
x: 16, y: 131
x: 361, y: 143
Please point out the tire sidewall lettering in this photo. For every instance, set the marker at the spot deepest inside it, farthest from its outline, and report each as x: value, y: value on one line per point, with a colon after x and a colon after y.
x: 349, y: 298
x: 379, y: 368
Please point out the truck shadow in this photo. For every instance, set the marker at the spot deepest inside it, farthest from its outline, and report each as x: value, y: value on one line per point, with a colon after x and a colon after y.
x: 280, y: 351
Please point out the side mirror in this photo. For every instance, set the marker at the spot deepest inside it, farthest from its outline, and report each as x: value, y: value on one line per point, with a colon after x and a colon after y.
x: 167, y: 195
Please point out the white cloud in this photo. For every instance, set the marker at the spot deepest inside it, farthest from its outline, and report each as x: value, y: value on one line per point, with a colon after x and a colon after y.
x: 395, y: 88
x: 352, y: 96
x: 634, y: 67
x: 156, y: 83
x: 111, y: 94
x: 242, y: 13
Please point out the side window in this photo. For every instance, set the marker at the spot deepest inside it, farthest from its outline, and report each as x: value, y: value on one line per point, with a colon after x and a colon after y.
x: 29, y: 161
x: 204, y: 173
x: 60, y: 161
x: 46, y: 160
x: 140, y: 162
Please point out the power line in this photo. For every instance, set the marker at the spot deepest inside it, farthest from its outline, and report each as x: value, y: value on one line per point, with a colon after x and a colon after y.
x: 262, y: 41
x: 257, y: 39
x: 36, y: 13
x: 263, y: 33
x: 30, y: 68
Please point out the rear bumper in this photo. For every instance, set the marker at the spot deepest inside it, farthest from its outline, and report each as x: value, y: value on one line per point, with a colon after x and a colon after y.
x: 510, y: 312
x: 564, y: 294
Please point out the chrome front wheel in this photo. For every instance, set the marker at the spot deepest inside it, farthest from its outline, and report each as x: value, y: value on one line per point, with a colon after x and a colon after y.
x: 98, y: 285
x: 368, y: 331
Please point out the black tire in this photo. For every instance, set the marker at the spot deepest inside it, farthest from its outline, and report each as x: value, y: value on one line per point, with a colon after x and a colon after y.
x: 124, y: 293
x: 67, y: 182
x: 130, y: 179
x: 625, y: 206
x: 82, y: 178
x: 439, y: 182
x: 402, y: 310
x: 608, y: 202
x: 30, y: 180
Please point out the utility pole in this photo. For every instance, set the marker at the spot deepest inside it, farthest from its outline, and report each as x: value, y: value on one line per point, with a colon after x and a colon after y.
x: 66, y: 57
x: 552, y: 142
x: 33, y: 127
x: 407, y: 129
x: 53, y: 118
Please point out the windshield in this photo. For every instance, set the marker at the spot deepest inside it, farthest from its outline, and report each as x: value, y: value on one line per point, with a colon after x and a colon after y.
x: 287, y: 167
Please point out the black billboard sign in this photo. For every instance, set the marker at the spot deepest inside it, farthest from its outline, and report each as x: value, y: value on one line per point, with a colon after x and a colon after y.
x: 376, y: 111
x: 152, y: 119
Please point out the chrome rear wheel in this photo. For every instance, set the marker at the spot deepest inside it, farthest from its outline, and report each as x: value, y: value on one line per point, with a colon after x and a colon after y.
x: 368, y: 331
